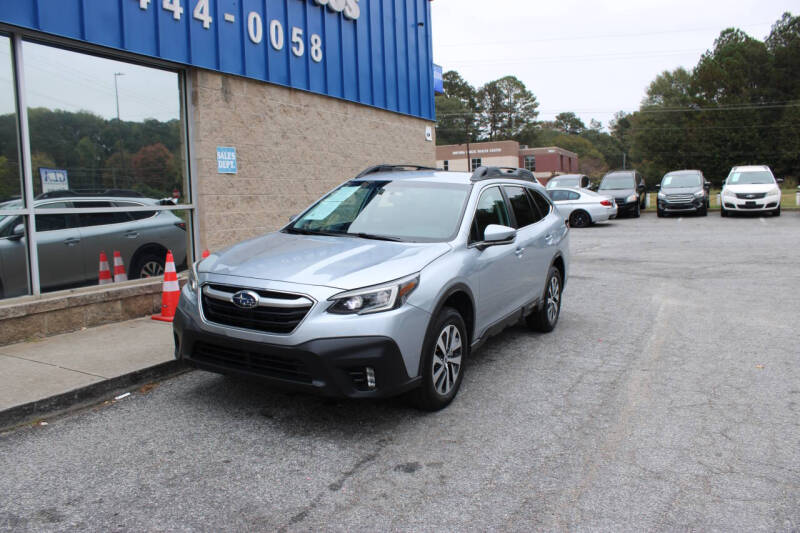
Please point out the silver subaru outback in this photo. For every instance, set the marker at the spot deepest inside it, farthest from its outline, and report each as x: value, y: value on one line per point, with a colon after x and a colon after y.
x: 382, y: 287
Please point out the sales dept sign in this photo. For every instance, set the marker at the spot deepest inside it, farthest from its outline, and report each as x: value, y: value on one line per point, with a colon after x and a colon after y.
x: 226, y: 160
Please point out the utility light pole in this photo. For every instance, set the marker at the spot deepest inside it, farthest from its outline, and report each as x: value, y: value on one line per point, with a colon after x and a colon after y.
x: 116, y: 90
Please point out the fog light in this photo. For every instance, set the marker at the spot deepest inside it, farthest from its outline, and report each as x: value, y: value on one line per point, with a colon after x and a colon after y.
x: 370, y: 377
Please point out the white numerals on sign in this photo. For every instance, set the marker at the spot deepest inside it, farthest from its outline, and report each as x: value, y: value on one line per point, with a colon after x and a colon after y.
x: 201, y: 12
x: 143, y: 4
x: 255, y: 27
x: 174, y: 6
x: 276, y: 34
x: 316, y: 47
x: 298, y: 47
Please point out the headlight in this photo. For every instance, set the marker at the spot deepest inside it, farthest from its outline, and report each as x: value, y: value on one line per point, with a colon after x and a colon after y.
x: 729, y: 193
x: 699, y: 194
x: 193, y: 277
x: 632, y: 198
x: 774, y: 192
x: 661, y: 195
x: 374, y: 299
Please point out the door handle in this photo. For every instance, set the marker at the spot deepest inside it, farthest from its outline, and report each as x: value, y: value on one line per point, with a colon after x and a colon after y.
x: 519, y: 252
x: 72, y: 241
x: 131, y: 234
x: 548, y: 238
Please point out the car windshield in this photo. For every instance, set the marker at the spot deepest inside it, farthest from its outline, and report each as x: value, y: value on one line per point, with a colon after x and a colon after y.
x: 617, y: 181
x: 753, y: 177
x: 676, y: 181
x: 401, y: 210
x: 11, y: 204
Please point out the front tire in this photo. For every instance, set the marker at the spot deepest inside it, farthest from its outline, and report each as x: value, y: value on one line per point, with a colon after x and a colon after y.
x: 703, y: 211
x: 638, y: 211
x: 722, y: 211
x: 545, y: 318
x: 777, y: 212
x: 446, y: 346
x: 659, y: 213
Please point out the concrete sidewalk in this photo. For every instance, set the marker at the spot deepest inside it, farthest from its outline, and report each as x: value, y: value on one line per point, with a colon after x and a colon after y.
x: 44, y: 376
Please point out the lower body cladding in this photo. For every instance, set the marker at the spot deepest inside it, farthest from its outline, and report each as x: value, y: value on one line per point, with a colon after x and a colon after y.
x: 626, y: 208
x: 695, y: 206
x: 367, y: 364
x: 603, y: 213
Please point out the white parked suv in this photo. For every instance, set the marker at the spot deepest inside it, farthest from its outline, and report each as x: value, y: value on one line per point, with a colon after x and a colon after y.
x: 751, y: 189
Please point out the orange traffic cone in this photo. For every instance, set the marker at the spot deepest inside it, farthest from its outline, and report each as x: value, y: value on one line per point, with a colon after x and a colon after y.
x: 170, y: 293
x: 104, y: 276
x: 119, y: 268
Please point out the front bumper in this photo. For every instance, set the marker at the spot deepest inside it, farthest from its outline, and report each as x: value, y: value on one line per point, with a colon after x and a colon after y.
x: 327, y: 366
x: 696, y: 204
x: 768, y: 203
x: 626, y: 208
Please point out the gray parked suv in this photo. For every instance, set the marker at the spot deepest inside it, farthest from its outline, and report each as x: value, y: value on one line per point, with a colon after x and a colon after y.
x: 381, y: 287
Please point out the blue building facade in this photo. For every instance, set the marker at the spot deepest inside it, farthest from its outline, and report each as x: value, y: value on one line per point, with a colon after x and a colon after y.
x: 374, y: 52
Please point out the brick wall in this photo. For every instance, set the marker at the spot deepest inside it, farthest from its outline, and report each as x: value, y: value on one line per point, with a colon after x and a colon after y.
x: 291, y: 147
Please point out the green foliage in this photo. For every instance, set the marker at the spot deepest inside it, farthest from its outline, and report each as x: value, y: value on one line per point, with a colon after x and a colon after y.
x: 569, y: 123
x: 507, y: 109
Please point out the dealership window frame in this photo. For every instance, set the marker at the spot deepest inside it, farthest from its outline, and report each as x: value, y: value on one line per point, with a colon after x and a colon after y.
x: 29, y: 212
x: 530, y: 163
x: 475, y: 163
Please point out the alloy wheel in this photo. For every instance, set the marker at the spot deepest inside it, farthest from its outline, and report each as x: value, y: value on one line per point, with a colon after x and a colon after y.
x: 447, y: 359
x: 553, y: 299
x: 151, y: 269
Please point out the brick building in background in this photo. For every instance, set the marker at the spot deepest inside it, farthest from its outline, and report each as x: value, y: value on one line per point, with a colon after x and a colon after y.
x: 544, y: 162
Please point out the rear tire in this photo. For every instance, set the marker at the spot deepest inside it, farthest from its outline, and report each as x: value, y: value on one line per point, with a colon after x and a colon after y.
x: 580, y: 219
x: 545, y: 318
x: 443, y: 354
x: 147, y: 265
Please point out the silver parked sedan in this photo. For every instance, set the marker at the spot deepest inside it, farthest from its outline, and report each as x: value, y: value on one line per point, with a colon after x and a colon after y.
x: 69, y: 245
x: 582, y: 207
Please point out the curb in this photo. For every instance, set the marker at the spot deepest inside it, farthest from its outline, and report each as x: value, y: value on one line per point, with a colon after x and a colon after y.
x: 84, y: 396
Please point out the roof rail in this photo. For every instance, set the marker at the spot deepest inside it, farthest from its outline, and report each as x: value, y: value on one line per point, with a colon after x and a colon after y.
x: 391, y: 168
x: 66, y: 193
x: 485, y: 173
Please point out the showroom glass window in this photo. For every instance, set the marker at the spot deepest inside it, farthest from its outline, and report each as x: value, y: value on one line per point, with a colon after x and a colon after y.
x: 109, y: 166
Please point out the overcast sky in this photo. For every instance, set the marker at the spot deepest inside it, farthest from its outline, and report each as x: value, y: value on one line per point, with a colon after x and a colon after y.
x: 590, y: 57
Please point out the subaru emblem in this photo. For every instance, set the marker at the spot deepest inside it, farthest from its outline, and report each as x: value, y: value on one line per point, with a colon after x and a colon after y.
x: 246, y: 299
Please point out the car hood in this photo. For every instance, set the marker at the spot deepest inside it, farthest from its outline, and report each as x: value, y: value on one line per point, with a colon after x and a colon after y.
x: 340, y: 262
x: 751, y: 187
x: 680, y: 190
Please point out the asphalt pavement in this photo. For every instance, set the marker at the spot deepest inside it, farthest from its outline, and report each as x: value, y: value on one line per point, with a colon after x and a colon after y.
x: 668, y: 398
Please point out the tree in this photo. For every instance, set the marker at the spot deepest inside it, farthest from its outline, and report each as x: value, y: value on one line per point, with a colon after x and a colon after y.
x: 569, y: 123
x: 507, y: 108
x: 456, y: 111
x: 152, y: 166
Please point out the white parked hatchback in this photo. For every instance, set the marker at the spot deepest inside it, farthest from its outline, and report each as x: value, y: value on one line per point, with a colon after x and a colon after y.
x: 751, y: 189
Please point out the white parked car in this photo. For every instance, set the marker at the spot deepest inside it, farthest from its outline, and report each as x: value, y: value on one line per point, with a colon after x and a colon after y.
x: 582, y: 207
x: 751, y: 189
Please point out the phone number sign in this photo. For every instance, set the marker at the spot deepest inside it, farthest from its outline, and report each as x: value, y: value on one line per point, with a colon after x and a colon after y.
x: 376, y: 52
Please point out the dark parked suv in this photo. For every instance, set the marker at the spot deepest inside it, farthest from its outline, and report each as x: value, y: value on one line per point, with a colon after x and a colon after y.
x: 683, y: 191
x: 627, y: 188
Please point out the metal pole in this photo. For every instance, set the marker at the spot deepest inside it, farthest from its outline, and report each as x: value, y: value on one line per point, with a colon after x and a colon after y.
x: 116, y: 90
x: 623, y: 160
x: 27, y: 165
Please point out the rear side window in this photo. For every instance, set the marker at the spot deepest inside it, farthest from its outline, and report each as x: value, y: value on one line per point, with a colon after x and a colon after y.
x: 573, y: 196
x: 99, y: 219
x: 541, y: 202
x: 556, y: 195
x: 525, y: 213
x: 491, y: 210
x: 136, y: 215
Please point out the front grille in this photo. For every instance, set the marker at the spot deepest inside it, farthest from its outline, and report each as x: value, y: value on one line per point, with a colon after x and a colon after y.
x: 753, y: 206
x: 273, y: 366
x: 750, y: 195
x: 269, y: 319
x: 680, y: 198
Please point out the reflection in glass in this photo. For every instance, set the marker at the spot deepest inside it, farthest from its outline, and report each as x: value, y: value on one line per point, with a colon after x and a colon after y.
x: 9, y: 153
x: 13, y: 256
x: 70, y: 245
x: 103, y: 126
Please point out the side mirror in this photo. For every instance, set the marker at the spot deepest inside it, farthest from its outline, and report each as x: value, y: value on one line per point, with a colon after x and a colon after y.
x: 497, y: 234
x: 658, y: 186
x: 780, y: 180
x: 292, y: 218
x: 18, y: 233
x: 707, y: 184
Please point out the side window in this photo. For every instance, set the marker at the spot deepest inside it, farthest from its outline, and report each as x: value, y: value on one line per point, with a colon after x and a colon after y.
x: 52, y: 222
x: 136, y: 215
x: 99, y: 219
x: 524, y: 212
x: 541, y: 202
x: 573, y: 196
x: 556, y: 195
x: 491, y: 209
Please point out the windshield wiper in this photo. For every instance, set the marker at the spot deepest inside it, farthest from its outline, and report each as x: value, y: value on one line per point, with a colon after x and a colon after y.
x: 377, y: 237
x: 302, y: 231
